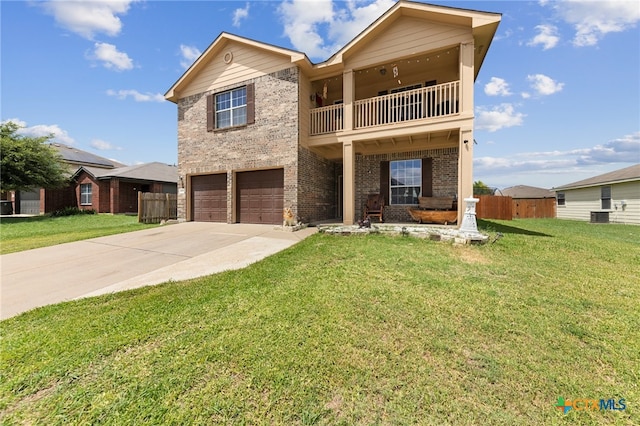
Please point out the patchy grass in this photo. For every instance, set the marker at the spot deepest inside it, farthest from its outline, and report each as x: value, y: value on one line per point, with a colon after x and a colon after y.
x: 25, y: 233
x: 350, y: 330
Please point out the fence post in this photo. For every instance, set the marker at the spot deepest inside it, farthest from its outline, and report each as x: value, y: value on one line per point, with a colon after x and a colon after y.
x: 140, y: 206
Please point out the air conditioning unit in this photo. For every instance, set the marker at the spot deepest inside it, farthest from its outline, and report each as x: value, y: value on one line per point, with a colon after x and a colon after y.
x: 599, y: 217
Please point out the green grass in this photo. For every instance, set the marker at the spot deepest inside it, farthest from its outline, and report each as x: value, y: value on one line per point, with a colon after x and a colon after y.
x: 350, y: 330
x: 25, y: 233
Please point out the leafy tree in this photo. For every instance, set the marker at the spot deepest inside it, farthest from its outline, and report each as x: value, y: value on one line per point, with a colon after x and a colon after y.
x: 27, y: 163
x: 480, y: 188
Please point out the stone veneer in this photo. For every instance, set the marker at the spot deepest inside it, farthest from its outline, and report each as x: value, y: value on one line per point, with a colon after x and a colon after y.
x: 445, y: 178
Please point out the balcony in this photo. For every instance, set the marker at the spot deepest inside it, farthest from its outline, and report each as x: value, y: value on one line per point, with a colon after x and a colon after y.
x: 402, y: 106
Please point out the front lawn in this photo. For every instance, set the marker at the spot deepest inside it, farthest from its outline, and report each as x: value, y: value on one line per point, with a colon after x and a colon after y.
x: 25, y: 233
x: 351, y: 330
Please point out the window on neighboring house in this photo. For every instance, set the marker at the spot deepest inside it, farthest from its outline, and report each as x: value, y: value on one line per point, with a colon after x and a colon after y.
x: 605, y: 197
x: 232, y: 108
x: 85, y: 194
x: 405, y: 181
x: 560, y: 198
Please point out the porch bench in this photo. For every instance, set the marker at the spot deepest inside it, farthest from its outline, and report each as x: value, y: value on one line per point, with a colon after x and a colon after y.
x: 436, y: 203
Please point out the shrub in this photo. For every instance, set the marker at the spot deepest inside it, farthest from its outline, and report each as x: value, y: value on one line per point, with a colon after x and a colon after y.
x: 71, y: 211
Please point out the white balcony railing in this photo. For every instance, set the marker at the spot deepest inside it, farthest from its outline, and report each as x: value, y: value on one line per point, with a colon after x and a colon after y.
x: 326, y: 119
x: 417, y: 104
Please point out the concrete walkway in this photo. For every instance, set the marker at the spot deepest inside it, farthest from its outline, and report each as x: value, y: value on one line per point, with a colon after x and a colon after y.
x: 103, y: 265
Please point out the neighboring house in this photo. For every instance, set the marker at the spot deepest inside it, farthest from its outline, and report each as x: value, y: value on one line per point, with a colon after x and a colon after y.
x: 610, y: 197
x: 261, y: 128
x: 98, y: 183
x: 42, y: 200
x: 531, y: 202
x: 116, y: 190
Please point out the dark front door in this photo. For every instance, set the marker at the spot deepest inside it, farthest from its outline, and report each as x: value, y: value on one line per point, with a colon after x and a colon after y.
x: 209, y: 198
x: 260, y: 196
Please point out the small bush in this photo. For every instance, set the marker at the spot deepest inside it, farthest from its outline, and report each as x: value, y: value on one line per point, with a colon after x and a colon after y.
x: 71, y: 211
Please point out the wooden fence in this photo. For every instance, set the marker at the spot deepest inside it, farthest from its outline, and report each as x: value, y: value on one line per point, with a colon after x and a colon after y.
x: 494, y: 207
x: 534, y: 208
x: 154, y: 207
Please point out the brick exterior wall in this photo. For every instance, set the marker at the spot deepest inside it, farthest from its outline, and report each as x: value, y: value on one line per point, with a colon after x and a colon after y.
x: 57, y: 199
x: 445, y: 178
x: 317, y: 187
x: 271, y: 142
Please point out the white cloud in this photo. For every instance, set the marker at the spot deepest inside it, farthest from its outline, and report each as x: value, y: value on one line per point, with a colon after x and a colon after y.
x: 497, y: 87
x: 544, y: 85
x: 622, y: 150
x: 88, y: 18
x: 111, y: 58
x: 101, y: 145
x: 593, y: 19
x: 137, y: 96
x: 499, y: 117
x: 41, y: 130
x: 189, y: 55
x: 240, y: 14
x: 321, y: 27
x: 547, y: 37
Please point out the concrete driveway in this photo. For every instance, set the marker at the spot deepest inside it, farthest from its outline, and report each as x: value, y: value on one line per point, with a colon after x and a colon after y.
x: 103, y: 265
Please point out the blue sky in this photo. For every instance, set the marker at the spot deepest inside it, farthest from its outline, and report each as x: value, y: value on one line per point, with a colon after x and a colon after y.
x: 557, y: 99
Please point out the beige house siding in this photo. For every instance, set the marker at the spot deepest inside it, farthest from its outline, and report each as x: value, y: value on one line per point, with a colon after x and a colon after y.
x: 630, y: 193
x: 247, y: 62
x: 580, y: 202
x: 408, y: 37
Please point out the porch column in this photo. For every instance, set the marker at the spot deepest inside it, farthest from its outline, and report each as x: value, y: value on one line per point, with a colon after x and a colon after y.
x: 466, y: 76
x: 465, y: 169
x: 348, y: 183
x: 348, y: 93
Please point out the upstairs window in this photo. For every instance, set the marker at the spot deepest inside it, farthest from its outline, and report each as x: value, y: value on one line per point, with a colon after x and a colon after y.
x: 605, y: 197
x: 85, y: 194
x: 232, y: 108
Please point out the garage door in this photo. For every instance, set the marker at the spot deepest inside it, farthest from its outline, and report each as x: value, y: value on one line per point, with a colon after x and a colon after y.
x: 260, y: 196
x: 30, y: 202
x: 209, y: 198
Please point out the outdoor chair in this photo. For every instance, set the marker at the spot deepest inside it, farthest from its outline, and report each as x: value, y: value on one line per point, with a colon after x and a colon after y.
x: 374, y: 207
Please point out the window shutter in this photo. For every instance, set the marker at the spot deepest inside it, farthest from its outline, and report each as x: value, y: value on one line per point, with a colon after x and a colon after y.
x: 427, y: 177
x: 251, y: 109
x: 211, y: 112
x: 384, y: 181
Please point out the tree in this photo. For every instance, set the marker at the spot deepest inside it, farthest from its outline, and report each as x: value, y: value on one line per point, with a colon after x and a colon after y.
x: 27, y: 163
x: 480, y: 188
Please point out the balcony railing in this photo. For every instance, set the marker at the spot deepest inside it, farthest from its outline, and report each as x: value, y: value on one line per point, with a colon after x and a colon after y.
x: 417, y: 104
x: 326, y: 119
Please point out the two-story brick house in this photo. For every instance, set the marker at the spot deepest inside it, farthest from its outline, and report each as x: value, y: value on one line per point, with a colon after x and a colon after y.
x: 261, y: 128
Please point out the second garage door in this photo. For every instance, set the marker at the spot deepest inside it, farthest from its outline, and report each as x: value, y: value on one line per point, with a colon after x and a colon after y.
x: 209, y: 198
x: 260, y: 196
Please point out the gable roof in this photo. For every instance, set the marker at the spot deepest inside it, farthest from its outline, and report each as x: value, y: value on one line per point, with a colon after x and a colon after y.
x: 152, y: 172
x: 628, y: 174
x: 77, y: 156
x: 483, y: 24
x: 524, y: 191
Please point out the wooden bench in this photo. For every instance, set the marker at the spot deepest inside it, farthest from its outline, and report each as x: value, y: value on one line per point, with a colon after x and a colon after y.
x: 435, y: 203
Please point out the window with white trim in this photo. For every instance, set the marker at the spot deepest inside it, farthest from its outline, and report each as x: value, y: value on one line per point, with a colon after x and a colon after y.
x: 405, y: 181
x: 605, y: 197
x: 85, y: 194
x: 231, y: 108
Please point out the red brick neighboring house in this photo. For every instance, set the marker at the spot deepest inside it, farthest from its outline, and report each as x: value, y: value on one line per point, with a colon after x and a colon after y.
x: 113, y: 181
x: 116, y: 190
